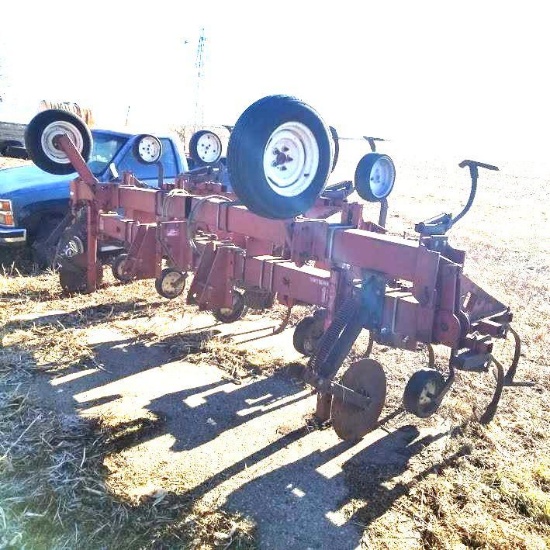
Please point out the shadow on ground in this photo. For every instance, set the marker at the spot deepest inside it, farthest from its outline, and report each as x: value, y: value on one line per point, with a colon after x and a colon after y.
x: 294, y: 503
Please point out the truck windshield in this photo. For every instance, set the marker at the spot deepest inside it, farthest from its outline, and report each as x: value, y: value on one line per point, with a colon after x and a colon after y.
x: 103, y: 151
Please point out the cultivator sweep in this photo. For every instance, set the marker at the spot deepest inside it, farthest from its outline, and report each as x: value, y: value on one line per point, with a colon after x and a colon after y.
x: 281, y: 234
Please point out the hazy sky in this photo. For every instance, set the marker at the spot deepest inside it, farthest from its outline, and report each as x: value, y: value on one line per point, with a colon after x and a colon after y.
x: 467, y: 75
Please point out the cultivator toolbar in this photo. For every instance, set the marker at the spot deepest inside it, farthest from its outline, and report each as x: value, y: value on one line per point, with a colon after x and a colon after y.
x: 281, y: 234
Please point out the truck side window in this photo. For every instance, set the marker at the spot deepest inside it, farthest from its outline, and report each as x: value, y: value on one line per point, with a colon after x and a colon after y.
x: 150, y: 171
x: 104, y: 149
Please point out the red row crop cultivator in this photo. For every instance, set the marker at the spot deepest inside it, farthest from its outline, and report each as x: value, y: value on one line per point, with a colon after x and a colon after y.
x: 275, y: 236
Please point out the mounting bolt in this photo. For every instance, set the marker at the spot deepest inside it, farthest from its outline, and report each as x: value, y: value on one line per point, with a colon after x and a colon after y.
x: 444, y: 327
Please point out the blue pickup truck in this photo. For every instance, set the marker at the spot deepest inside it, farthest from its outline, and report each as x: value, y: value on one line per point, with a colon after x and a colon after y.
x: 33, y: 202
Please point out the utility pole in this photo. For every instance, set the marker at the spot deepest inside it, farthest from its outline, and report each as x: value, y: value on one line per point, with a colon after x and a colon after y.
x: 199, y: 66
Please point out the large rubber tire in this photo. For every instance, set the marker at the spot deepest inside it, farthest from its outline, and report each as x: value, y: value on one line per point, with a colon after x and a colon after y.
x: 254, y: 142
x: 205, y: 148
x: 45, y: 255
x: 39, y: 135
x: 374, y: 177
x: 72, y: 273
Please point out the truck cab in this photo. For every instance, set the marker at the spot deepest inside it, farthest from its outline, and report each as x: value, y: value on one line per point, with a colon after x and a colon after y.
x: 33, y: 202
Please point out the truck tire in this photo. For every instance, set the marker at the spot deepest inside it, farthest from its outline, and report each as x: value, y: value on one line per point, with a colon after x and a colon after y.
x: 205, y: 148
x: 39, y: 139
x: 280, y: 156
x: 44, y: 252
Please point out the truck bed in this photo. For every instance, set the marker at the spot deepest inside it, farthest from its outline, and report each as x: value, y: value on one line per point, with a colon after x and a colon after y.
x: 11, y: 134
x: 12, y: 130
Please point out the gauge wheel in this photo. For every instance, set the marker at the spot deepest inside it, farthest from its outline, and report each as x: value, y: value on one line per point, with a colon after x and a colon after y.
x: 205, y: 147
x: 147, y: 149
x: 307, y: 334
x: 234, y: 313
x: 119, y: 269
x: 171, y: 283
x: 40, y: 140
x: 374, y: 177
x: 280, y: 156
x: 422, y: 391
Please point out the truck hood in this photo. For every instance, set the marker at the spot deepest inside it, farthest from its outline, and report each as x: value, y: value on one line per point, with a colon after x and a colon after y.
x: 26, y: 178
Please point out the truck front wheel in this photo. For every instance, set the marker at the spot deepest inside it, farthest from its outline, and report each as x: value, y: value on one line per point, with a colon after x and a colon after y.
x: 45, y: 241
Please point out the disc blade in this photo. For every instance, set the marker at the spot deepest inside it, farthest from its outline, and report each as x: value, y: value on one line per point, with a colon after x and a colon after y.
x: 366, y: 377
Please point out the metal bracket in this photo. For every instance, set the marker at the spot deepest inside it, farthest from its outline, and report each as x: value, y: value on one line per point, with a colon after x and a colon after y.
x: 332, y: 229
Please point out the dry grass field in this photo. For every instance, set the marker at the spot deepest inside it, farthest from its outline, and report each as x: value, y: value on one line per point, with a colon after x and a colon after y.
x: 65, y: 482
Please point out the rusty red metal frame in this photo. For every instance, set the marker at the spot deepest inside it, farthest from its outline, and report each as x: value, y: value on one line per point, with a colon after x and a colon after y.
x: 307, y: 260
x: 320, y: 259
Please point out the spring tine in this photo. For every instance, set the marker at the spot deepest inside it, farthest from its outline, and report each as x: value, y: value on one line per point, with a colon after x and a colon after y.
x: 491, y: 409
x: 509, y: 378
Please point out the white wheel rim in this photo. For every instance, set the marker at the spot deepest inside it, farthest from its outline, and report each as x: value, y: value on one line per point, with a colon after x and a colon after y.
x: 121, y: 267
x: 291, y: 159
x: 149, y: 149
x: 382, y: 176
x: 51, y: 131
x: 173, y: 282
x: 427, y: 394
x: 73, y: 247
x: 209, y: 147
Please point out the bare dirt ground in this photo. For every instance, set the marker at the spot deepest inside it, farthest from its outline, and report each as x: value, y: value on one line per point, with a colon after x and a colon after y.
x: 196, y: 434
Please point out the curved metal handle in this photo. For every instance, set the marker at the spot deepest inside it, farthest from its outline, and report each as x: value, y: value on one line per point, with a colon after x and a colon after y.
x: 474, y: 174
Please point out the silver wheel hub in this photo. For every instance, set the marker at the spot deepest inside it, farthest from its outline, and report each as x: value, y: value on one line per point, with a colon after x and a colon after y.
x: 150, y: 149
x: 382, y: 176
x: 429, y: 391
x: 291, y: 159
x: 209, y: 148
x: 173, y: 281
x: 48, y: 141
x: 73, y: 248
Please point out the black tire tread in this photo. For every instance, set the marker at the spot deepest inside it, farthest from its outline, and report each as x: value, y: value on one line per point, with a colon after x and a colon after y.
x: 412, y: 391
x: 362, y: 173
x: 300, y: 333
x: 237, y: 313
x: 246, y: 142
x: 193, y: 151
x: 33, y: 134
x: 115, y: 268
x: 158, y: 283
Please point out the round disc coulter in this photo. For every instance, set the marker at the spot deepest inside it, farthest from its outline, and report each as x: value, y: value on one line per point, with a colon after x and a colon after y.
x: 366, y: 377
